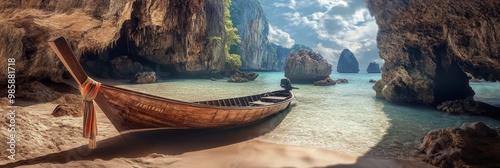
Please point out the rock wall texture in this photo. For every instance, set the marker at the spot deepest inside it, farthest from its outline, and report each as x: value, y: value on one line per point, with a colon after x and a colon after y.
x: 307, y: 66
x: 373, y: 68
x: 470, y: 145
x: 168, y: 32
x: 427, y: 47
x: 175, y: 32
x: 347, y: 62
x: 90, y: 25
x: 256, y: 52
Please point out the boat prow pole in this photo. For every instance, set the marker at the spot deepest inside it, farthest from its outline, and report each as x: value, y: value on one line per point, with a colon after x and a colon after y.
x: 67, y: 57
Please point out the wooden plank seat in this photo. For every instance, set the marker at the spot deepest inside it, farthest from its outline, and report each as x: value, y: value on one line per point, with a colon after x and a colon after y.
x: 273, y: 98
x: 260, y: 103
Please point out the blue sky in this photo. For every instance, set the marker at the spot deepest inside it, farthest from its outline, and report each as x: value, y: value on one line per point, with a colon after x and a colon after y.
x: 327, y: 26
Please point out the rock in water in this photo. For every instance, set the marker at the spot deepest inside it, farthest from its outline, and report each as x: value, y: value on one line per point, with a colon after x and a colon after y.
x: 471, y: 145
x: 469, y: 107
x: 325, y: 82
x: 144, y: 77
x: 306, y: 66
x: 373, y: 67
x: 342, y: 81
x: 240, y: 77
x: 427, y: 46
x: 347, y: 62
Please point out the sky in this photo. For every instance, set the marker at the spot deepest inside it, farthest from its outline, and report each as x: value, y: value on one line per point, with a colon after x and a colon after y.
x: 326, y: 26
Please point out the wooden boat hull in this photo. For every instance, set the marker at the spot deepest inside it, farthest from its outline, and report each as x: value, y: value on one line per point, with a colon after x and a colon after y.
x: 140, y: 111
x: 130, y: 110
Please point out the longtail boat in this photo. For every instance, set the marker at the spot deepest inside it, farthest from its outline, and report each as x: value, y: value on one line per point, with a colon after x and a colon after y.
x: 130, y: 110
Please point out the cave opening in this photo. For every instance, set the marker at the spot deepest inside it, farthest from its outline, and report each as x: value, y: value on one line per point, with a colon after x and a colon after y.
x: 451, y: 81
x: 103, y: 64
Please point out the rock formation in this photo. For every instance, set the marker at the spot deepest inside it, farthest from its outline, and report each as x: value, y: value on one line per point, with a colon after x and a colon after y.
x: 239, y: 77
x: 173, y: 33
x: 427, y: 47
x: 124, y: 68
x: 342, y: 81
x: 144, y: 77
x: 469, y: 107
x: 347, y: 62
x: 373, y: 67
x: 282, y: 53
x: 306, y: 66
x: 471, y: 145
x: 256, y: 52
x: 325, y: 82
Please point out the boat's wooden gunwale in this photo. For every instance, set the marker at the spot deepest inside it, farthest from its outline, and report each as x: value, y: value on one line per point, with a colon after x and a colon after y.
x: 174, y: 101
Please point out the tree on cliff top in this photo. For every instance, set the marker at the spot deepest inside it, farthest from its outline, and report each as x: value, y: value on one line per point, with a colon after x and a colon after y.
x: 233, y: 61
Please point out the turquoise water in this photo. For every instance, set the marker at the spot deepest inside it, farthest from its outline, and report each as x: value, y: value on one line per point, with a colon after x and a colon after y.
x: 346, y: 117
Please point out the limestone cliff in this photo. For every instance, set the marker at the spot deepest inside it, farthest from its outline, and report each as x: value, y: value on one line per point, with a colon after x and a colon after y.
x: 256, y: 51
x: 175, y: 33
x: 347, y: 62
x: 169, y: 32
x: 428, y: 46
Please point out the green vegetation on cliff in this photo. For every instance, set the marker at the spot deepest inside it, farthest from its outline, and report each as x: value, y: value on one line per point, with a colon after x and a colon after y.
x: 233, y: 61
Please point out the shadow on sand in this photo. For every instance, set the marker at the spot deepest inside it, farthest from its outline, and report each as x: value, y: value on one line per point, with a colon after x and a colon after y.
x: 168, y: 142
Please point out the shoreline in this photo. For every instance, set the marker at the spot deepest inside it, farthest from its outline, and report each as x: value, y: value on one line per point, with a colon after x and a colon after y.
x: 38, y: 147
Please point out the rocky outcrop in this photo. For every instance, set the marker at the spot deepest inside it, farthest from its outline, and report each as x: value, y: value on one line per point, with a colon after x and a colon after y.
x: 172, y: 33
x: 373, y: 67
x: 256, y: 52
x: 427, y: 47
x: 240, y: 77
x: 282, y: 53
x: 124, y: 68
x: 342, y: 81
x: 469, y: 107
x: 306, y: 66
x: 67, y: 110
x: 144, y: 77
x: 372, y: 81
x: 325, y: 82
x: 37, y: 92
x: 471, y: 145
x: 347, y: 62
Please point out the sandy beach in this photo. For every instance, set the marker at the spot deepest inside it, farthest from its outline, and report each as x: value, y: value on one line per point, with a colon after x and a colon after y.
x: 47, y: 141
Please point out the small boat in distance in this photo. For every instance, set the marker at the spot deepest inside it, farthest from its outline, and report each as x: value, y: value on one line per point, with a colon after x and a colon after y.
x: 130, y: 110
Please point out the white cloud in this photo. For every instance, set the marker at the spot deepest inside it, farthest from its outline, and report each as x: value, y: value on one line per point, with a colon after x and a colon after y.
x: 290, y: 5
x: 356, y: 32
x: 333, y: 3
x: 379, y: 61
x: 329, y: 54
x: 280, y: 37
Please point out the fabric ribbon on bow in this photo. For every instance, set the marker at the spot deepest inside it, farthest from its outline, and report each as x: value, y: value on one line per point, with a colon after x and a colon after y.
x: 89, y: 90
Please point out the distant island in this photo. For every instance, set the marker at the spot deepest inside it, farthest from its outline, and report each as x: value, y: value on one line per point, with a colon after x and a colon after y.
x: 373, y: 67
x: 347, y: 62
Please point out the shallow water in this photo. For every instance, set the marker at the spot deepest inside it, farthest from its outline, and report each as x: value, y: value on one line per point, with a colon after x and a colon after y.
x: 346, y: 117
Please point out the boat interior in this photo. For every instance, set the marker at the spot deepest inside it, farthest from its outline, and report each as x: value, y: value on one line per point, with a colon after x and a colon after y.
x: 264, y: 99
